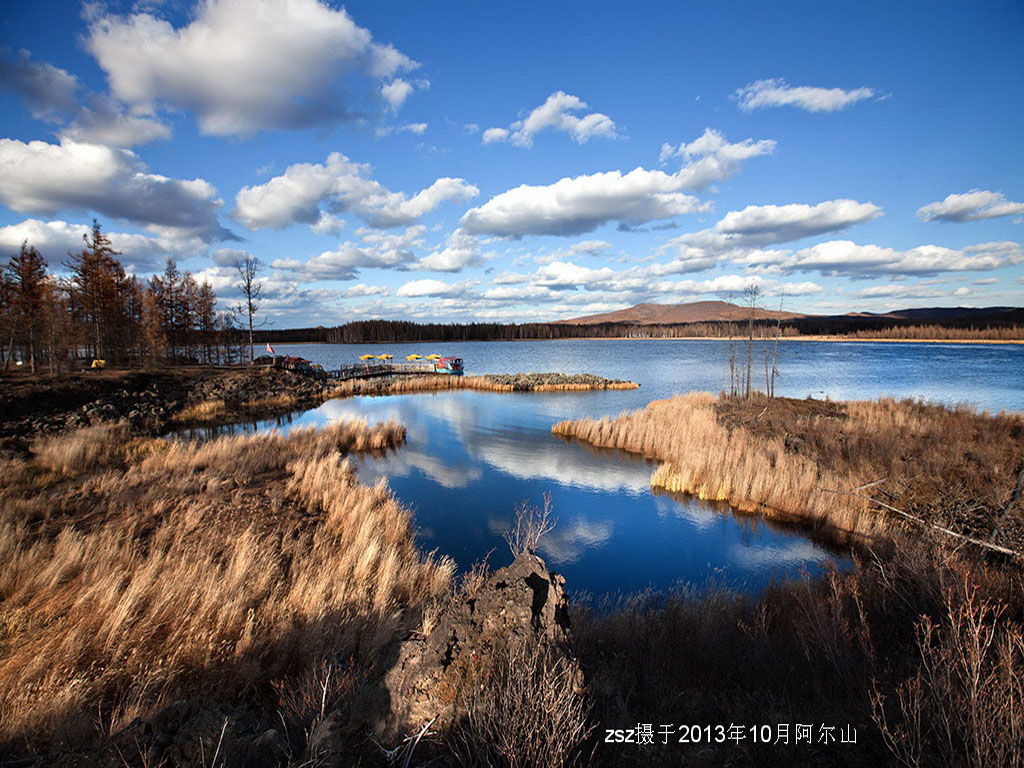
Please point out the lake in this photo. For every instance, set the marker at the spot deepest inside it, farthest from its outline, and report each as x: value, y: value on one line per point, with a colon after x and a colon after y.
x: 472, y: 456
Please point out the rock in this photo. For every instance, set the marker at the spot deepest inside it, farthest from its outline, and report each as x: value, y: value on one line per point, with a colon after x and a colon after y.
x: 429, y: 676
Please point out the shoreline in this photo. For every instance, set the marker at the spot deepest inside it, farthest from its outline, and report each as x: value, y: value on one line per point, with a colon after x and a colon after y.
x: 809, y: 337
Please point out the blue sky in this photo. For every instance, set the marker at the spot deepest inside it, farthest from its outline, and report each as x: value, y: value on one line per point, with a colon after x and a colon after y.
x: 527, y: 161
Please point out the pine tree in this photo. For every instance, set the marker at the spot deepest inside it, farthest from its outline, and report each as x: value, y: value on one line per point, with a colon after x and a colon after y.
x: 98, y: 289
x: 27, y: 277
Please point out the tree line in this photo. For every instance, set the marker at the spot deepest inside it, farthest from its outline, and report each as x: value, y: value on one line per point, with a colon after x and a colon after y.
x: 997, y: 326
x: 98, y: 311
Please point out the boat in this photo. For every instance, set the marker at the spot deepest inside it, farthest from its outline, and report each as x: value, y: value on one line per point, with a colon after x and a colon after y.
x: 449, y: 365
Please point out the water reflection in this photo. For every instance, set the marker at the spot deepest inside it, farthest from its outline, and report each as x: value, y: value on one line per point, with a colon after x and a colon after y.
x: 471, y: 457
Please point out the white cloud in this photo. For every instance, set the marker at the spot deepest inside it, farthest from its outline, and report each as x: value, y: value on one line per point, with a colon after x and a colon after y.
x: 343, y: 185
x: 242, y: 66
x: 328, y: 224
x: 357, y: 291
x: 56, y: 239
x: 920, y: 291
x: 589, y: 248
x: 843, y: 257
x: 572, y: 206
x: 415, y: 128
x: 739, y: 232
x: 104, y: 121
x: 396, y: 92
x: 777, y: 93
x: 379, y: 250
x: 461, y: 250
x: 555, y: 113
x: 430, y: 287
x: 970, y: 206
x: 41, y: 178
x: 492, y: 135
x: 46, y: 89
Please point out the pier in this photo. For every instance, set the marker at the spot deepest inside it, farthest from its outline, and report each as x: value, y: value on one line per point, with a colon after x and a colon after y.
x: 380, y: 370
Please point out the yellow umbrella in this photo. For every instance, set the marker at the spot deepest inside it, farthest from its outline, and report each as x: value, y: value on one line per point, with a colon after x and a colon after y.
x: 433, y: 357
x: 367, y: 357
x: 384, y: 357
x: 414, y: 357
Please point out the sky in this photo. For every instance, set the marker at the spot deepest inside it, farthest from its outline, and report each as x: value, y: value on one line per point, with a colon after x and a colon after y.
x: 468, y: 161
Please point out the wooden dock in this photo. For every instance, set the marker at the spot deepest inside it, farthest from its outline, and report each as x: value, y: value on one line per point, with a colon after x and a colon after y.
x: 380, y: 370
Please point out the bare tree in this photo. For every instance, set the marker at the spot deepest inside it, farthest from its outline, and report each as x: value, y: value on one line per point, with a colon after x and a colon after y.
x: 530, y: 526
x: 247, y: 269
x: 751, y: 293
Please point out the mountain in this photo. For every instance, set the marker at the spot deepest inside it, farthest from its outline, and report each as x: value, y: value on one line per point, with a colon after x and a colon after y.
x: 938, y: 314
x: 693, y: 312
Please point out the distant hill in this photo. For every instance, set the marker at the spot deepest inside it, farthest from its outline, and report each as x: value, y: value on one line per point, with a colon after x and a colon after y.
x: 938, y: 314
x: 693, y: 312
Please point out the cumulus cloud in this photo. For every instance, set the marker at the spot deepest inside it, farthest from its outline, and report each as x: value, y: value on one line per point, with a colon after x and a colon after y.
x: 430, y: 287
x: 777, y: 93
x: 42, y: 179
x: 461, y: 250
x: 375, y: 249
x: 756, y: 226
x: 104, y: 121
x: 492, y: 135
x: 343, y: 185
x: 241, y: 66
x: 56, y: 239
x: 396, y: 92
x: 920, y: 291
x: 361, y: 290
x: 970, y: 206
x: 573, y: 206
x: 45, y: 89
x: 843, y: 257
x: 589, y: 248
x: 555, y: 113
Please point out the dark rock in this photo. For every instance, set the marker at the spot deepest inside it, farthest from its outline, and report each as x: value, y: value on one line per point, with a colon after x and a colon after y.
x: 523, y: 602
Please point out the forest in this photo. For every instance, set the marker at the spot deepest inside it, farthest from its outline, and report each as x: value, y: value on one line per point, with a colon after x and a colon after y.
x: 1001, y: 326
x: 98, y: 311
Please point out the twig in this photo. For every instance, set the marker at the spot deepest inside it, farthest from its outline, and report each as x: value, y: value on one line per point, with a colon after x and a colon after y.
x: 1009, y: 505
x: 932, y: 526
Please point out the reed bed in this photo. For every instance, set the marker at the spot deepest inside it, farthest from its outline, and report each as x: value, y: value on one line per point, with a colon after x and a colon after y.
x: 850, y: 468
x: 544, y: 382
x: 141, y: 571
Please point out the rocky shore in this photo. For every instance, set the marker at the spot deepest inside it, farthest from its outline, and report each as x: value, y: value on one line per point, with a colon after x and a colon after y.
x: 148, y: 401
x: 428, y: 679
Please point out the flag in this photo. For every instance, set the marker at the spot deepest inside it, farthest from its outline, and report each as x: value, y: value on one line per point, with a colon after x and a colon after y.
x: 270, y: 349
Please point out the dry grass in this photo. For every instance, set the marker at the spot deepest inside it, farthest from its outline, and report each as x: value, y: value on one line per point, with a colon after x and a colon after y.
x: 413, y: 384
x: 139, y: 573
x: 836, y: 650
x: 844, y: 467
x: 530, y: 712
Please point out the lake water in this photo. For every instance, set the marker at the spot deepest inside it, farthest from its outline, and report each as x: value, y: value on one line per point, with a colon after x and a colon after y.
x: 472, y: 456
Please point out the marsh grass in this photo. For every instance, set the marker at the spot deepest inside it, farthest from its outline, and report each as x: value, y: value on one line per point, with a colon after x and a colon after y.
x: 413, y: 384
x: 843, y: 467
x: 138, y: 572
x: 919, y: 648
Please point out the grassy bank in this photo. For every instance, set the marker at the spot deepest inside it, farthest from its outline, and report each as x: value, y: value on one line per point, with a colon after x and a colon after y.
x: 859, y: 468
x: 213, y: 411
x: 138, y: 572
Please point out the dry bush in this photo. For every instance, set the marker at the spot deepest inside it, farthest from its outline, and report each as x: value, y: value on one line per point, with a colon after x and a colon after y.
x: 197, y: 569
x: 529, y: 712
x: 530, y: 526
x: 84, y: 449
x: 843, y: 467
x: 822, y: 650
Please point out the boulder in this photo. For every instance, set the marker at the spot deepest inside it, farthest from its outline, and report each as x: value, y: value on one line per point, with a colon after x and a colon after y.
x: 427, y: 678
